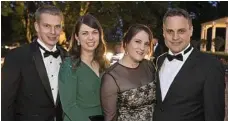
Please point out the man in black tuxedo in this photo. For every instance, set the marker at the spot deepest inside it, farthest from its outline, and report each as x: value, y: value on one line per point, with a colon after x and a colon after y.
x: 158, y: 49
x: 30, y: 73
x: 190, y: 84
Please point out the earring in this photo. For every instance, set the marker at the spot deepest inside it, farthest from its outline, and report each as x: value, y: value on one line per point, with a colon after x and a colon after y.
x: 78, y: 42
x: 126, y: 53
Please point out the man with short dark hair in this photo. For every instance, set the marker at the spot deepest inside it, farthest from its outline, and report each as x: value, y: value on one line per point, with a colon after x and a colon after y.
x: 190, y: 84
x: 30, y: 73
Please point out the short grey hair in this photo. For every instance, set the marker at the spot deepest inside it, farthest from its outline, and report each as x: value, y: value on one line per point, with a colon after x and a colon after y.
x: 177, y: 12
x: 52, y: 10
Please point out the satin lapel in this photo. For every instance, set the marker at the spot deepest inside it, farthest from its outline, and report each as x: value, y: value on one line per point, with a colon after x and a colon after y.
x: 41, y: 69
x: 184, y: 71
x: 57, y: 100
x: 159, y: 63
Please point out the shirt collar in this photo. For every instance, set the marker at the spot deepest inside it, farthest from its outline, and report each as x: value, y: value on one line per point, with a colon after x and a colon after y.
x: 182, y: 52
x: 43, y: 45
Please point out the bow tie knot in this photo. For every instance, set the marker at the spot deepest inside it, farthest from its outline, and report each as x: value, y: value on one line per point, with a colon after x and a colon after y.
x: 177, y: 57
x: 48, y: 53
x: 54, y: 54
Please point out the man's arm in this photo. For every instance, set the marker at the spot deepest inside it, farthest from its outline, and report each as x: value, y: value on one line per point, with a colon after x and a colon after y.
x: 9, y: 84
x: 214, y: 93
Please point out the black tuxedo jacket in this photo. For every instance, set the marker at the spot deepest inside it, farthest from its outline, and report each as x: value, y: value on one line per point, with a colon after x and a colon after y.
x: 26, y: 92
x: 196, y: 93
x: 159, y: 50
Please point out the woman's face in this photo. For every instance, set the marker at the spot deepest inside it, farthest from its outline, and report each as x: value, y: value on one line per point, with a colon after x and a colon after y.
x: 88, y: 38
x: 138, y: 46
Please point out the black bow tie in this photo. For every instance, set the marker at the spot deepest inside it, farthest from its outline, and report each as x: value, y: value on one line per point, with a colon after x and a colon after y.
x: 48, y: 53
x: 178, y: 56
x: 54, y: 54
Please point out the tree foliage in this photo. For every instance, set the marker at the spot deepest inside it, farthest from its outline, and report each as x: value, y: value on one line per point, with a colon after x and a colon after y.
x: 115, y: 17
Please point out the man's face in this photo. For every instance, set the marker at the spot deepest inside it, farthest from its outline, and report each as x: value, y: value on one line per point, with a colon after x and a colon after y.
x: 48, y: 29
x: 177, y: 33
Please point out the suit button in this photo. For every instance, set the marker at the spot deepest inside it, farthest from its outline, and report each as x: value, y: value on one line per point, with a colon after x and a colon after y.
x: 161, y: 109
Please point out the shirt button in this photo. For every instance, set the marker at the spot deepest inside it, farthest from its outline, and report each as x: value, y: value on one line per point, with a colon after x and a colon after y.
x: 51, y: 75
x: 50, y: 62
x: 52, y: 88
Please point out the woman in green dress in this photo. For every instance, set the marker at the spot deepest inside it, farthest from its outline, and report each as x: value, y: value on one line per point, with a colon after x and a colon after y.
x: 80, y: 74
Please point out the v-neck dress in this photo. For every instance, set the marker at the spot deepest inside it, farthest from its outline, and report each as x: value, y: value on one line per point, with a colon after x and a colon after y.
x: 79, y: 90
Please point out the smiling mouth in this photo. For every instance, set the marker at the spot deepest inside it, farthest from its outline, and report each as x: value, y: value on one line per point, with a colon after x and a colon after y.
x: 90, y: 43
x: 175, y: 43
x: 140, y: 53
x: 52, y: 38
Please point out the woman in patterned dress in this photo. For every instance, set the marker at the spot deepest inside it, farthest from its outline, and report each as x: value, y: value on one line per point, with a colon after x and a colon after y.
x: 128, y: 88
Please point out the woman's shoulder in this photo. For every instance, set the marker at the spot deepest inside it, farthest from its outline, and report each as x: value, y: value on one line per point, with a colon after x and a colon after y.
x: 69, y: 61
x: 148, y: 64
x: 112, y: 67
x: 67, y: 64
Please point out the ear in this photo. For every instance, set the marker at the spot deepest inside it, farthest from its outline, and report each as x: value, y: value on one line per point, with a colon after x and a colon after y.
x: 191, y: 29
x: 163, y: 30
x: 36, y: 26
x: 76, y: 37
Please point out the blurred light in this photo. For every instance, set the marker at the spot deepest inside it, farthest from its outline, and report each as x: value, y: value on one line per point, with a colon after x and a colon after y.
x: 6, y: 47
x: 108, y: 55
x: 147, y: 57
x: 115, y: 58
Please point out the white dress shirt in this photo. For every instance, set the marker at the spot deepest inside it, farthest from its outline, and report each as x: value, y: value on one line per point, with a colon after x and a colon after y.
x: 155, y: 46
x: 169, y: 70
x: 52, y: 66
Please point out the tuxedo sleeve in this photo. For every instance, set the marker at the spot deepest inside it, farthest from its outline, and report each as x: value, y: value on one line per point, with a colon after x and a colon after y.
x: 10, y: 84
x: 68, y: 94
x: 214, y: 93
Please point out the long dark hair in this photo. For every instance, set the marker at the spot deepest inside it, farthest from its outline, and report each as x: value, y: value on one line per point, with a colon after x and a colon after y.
x: 75, y: 49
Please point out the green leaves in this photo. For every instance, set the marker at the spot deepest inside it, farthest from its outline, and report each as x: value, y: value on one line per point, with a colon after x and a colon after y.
x: 115, y: 17
x: 5, y: 8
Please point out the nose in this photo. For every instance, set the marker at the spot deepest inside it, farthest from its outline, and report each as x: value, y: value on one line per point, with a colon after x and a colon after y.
x: 175, y: 36
x: 53, y: 30
x: 90, y: 36
x: 142, y: 47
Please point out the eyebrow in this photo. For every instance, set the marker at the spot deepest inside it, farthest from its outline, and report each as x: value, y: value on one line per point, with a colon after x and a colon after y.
x: 137, y: 39
x: 52, y: 24
x: 140, y: 40
x: 173, y: 30
x: 88, y: 31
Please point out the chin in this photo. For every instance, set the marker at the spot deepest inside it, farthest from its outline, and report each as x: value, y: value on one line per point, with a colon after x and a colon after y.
x: 90, y: 49
x: 52, y: 44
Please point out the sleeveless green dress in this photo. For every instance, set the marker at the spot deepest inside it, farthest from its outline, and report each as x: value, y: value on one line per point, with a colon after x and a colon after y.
x: 79, y: 91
